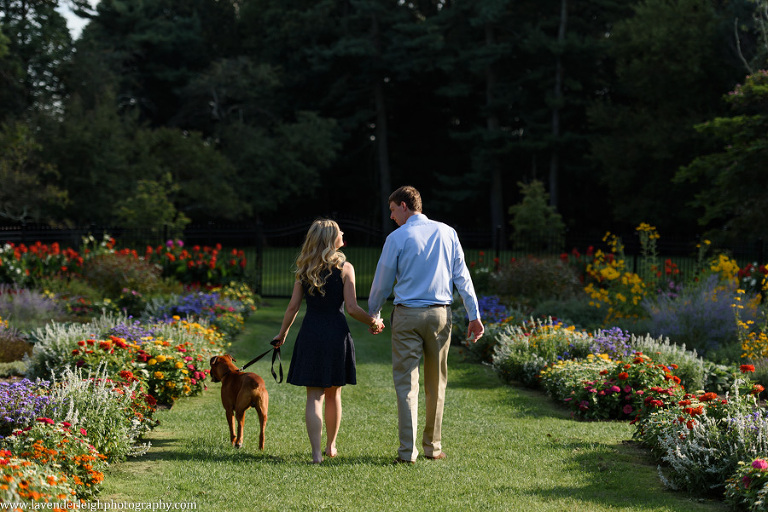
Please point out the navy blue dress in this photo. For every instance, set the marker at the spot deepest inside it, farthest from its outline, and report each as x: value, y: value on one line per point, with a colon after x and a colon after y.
x: 324, y: 353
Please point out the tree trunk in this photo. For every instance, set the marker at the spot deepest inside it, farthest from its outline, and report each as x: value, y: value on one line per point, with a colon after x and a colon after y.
x: 554, y: 162
x: 492, y: 122
x: 382, y: 144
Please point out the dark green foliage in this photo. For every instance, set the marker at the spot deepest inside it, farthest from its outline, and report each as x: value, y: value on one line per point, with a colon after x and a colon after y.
x: 731, y: 181
x: 670, y: 69
x: 528, y: 281
x: 114, y: 274
x: 13, y: 346
x: 535, y: 221
x: 262, y: 106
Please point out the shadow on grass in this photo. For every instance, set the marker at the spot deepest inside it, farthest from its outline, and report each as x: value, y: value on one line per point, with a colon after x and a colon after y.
x: 610, y: 486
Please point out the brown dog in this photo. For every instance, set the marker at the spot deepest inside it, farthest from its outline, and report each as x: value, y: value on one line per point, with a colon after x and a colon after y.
x: 239, y: 391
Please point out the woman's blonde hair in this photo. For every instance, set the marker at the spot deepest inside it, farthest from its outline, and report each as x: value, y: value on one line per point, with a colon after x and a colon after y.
x: 319, y: 255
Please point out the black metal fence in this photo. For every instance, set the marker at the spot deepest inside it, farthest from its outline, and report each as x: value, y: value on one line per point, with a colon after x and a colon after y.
x: 272, y: 249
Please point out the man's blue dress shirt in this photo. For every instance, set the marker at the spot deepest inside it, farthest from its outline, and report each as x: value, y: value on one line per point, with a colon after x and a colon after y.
x: 424, y: 260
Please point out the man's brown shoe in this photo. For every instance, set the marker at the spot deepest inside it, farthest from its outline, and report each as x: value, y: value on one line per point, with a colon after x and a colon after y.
x: 439, y: 456
x: 403, y: 461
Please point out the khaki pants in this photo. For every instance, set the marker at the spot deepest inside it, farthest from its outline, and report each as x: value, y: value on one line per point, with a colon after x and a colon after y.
x: 417, y: 332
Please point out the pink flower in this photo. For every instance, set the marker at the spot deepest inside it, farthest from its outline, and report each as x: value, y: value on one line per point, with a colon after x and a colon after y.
x: 627, y: 409
x: 760, y: 464
x: 84, y: 432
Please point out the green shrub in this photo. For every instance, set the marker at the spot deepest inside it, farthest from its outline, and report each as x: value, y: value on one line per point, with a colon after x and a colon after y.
x: 13, y: 345
x: 536, y: 223
x: 14, y: 369
x: 113, y: 274
x: 529, y: 281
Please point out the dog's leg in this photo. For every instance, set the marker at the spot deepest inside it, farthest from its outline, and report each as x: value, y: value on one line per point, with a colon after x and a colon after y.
x: 240, y: 416
x: 262, y: 406
x: 231, y: 423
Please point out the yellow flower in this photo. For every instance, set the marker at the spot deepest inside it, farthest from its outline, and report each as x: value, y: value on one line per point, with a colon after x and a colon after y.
x: 161, y: 358
x: 152, y: 362
x: 159, y: 375
x: 179, y: 364
x: 170, y: 384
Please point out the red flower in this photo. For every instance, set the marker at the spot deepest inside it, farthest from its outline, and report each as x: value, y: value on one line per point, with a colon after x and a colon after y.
x: 45, y: 420
x: 757, y: 389
x: 747, y: 368
x: 623, y: 376
x: 708, y: 397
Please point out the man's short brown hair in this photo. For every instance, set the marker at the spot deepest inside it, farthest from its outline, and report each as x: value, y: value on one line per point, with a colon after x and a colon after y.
x: 408, y: 195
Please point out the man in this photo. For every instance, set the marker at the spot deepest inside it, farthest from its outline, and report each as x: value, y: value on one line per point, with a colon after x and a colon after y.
x: 423, y: 260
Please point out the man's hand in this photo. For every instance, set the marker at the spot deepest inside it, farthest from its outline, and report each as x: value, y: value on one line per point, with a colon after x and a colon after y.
x: 475, y: 330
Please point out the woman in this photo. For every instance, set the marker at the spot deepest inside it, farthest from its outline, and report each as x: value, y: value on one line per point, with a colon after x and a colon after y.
x: 324, y: 354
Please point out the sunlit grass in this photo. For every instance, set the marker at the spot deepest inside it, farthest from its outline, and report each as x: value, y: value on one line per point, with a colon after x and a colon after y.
x: 509, y: 449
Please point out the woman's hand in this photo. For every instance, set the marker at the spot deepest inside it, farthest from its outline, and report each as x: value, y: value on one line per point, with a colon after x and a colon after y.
x: 377, y: 326
x: 277, y: 341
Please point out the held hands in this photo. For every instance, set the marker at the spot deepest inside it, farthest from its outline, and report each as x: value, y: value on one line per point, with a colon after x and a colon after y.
x: 377, y: 326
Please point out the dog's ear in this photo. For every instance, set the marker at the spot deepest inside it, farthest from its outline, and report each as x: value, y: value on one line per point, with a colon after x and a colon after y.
x: 232, y: 358
x: 214, y: 359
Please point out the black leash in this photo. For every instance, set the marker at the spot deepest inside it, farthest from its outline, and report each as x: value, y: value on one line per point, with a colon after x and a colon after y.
x: 275, y: 355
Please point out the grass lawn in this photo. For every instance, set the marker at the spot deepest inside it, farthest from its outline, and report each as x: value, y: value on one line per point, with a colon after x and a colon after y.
x: 508, y: 449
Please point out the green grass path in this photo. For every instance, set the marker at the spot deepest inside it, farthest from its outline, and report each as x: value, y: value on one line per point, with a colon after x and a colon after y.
x: 509, y: 449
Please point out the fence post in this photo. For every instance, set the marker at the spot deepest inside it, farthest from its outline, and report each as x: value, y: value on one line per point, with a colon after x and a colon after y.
x: 259, y: 263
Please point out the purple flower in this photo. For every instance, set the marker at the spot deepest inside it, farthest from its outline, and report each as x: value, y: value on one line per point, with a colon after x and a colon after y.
x: 21, y: 403
x: 491, y: 309
x: 169, y: 244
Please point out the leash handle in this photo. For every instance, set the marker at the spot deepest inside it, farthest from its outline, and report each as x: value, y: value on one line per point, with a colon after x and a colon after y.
x: 275, y: 355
